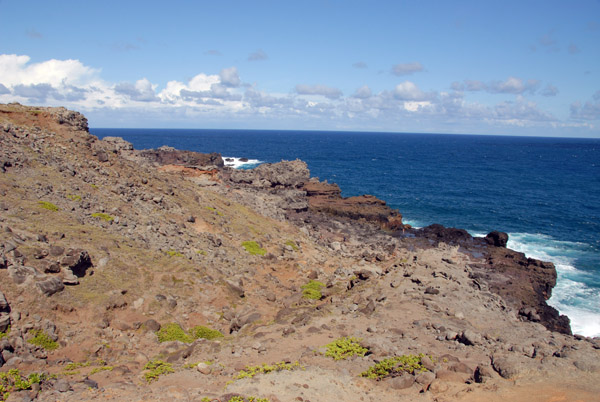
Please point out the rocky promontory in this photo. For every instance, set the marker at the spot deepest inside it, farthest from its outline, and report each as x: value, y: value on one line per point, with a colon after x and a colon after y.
x: 137, y: 275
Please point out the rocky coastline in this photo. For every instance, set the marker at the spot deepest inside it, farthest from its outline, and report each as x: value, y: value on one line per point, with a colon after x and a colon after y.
x: 109, y: 254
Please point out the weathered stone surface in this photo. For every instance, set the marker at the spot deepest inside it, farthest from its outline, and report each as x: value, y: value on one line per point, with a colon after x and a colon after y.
x: 77, y: 261
x: 498, y: 239
x: 402, y: 382
x: 51, y: 285
x: 506, y: 366
x: 171, y: 156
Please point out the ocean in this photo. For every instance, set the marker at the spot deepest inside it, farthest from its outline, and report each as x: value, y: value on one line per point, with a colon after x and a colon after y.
x: 544, y: 192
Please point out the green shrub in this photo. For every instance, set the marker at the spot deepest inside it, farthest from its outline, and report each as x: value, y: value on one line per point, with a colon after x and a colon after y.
x: 251, y: 371
x: 344, y: 348
x: 156, y: 368
x: 201, y: 331
x: 173, y: 332
x: 103, y: 216
x: 12, y: 380
x: 74, y: 197
x: 253, y: 248
x: 395, y: 366
x: 312, y: 290
x: 48, y: 205
x: 173, y: 253
x: 102, y: 368
x: 214, y: 210
x: 40, y: 338
x: 5, y: 334
x: 292, y: 244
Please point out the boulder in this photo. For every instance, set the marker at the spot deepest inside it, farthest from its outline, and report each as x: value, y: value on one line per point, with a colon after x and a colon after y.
x: 50, y: 285
x: 497, y: 239
x: 77, y: 261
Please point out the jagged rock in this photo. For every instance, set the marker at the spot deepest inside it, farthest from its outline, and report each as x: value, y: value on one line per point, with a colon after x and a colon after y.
x: 151, y: 325
x: 4, y: 321
x: 172, y: 156
x: 469, y: 337
x: 78, y: 261
x: 498, y: 239
x: 482, y: 374
x: 117, y: 144
x: 20, y: 273
x: 50, y: 286
x: 4, y: 306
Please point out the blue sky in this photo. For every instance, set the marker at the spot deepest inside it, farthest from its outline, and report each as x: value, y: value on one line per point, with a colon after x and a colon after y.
x: 482, y: 67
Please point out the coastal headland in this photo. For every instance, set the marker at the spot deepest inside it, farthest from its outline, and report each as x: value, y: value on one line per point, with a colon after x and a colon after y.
x: 161, y: 275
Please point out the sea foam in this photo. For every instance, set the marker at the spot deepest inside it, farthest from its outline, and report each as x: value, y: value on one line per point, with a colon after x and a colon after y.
x: 237, y: 163
x: 571, y: 295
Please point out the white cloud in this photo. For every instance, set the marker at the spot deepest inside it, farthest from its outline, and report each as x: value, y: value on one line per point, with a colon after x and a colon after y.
x: 363, y: 92
x: 143, y: 90
x: 590, y: 110
x: 409, y: 91
x: 229, y: 77
x: 323, y: 90
x: 16, y: 70
x: 407, y: 68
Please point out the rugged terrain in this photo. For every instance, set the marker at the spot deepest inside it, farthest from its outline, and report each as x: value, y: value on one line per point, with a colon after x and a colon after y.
x: 108, y: 253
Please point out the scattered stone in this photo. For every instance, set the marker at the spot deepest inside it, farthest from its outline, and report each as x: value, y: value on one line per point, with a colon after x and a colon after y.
x: 506, y: 366
x: 50, y: 286
x: 431, y: 291
x: 402, y: 382
x: 203, y: 368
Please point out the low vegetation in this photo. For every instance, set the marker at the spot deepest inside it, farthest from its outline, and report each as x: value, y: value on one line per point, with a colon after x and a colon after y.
x: 173, y: 253
x: 12, y: 380
x: 253, y: 248
x: 312, y: 290
x: 344, y: 348
x: 43, y: 340
x: 251, y: 371
x: 156, y: 368
x: 395, y: 366
x: 48, y: 205
x: 103, y: 216
x: 174, y: 332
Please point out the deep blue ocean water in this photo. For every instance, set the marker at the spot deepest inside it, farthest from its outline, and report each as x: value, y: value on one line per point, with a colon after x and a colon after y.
x: 544, y: 192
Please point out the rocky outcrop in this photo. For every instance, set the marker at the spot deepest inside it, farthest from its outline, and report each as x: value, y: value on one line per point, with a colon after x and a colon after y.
x: 171, y: 156
x: 326, y: 198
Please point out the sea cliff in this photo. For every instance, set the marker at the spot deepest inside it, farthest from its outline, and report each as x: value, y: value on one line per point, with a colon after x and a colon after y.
x: 164, y: 275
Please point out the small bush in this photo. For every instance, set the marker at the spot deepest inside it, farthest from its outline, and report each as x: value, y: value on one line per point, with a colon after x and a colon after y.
x: 5, y: 334
x: 102, y: 368
x: 103, y: 216
x: 251, y: 371
x: 312, y: 290
x: 42, y: 339
x: 214, y: 210
x: 49, y: 206
x: 253, y: 248
x: 156, y: 368
x: 173, y: 253
x: 395, y: 366
x: 73, y: 197
x: 12, y: 380
x: 292, y: 244
x: 173, y: 332
x: 200, y: 331
x: 344, y: 348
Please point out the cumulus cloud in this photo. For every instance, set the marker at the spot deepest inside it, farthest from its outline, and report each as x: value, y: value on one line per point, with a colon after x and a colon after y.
x: 323, y: 90
x: 409, y: 91
x: 229, y: 77
x: 407, y: 68
x: 360, y: 64
x: 258, y: 55
x: 142, y: 90
x: 590, y: 110
x: 4, y: 90
x: 512, y: 85
x: 16, y: 70
x: 549, y: 90
x: 363, y: 92
x: 34, y: 92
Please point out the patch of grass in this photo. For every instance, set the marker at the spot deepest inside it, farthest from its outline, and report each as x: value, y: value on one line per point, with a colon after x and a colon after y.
x: 173, y: 253
x: 292, y: 244
x: 103, y: 216
x: 253, y: 248
x: 12, y: 380
x: 73, y: 366
x: 5, y: 334
x: 102, y: 368
x: 48, y: 205
x: 200, y: 331
x: 251, y: 371
x: 344, y: 348
x: 173, y: 332
x: 312, y: 290
x: 214, y: 210
x: 42, y: 339
x: 74, y: 197
x: 201, y: 252
x: 395, y: 366
x: 156, y: 368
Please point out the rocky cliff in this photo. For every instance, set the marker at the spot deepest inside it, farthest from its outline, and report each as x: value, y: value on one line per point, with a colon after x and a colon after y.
x: 162, y: 275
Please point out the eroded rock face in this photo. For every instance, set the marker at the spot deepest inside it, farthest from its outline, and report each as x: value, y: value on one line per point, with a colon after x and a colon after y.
x: 171, y: 156
x: 498, y: 239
